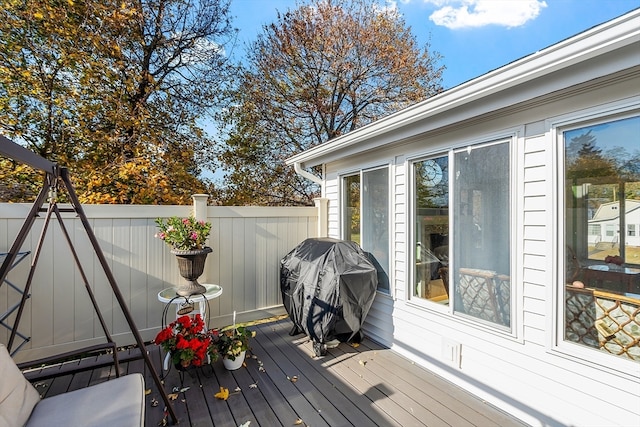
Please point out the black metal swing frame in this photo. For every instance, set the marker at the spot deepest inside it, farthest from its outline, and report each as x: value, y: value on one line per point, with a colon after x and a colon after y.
x: 55, y: 178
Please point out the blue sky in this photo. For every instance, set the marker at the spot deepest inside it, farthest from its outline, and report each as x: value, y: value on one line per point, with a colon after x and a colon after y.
x: 473, y: 36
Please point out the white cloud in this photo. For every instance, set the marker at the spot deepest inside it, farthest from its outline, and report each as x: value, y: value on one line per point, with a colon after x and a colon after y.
x: 390, y: 6
x: 457, y: 14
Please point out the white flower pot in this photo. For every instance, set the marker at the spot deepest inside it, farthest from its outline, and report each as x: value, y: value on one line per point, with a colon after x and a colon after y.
x: 232, y: 365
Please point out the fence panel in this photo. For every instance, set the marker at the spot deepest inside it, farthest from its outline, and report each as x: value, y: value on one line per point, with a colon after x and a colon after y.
x: 247, y: 242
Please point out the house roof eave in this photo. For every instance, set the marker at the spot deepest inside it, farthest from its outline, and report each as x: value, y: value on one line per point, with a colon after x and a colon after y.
x: 614, y: 34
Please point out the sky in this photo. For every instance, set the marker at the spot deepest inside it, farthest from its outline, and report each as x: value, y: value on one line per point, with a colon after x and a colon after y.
x: 473, y: 36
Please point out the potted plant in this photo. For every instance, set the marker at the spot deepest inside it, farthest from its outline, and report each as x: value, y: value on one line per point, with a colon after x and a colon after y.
x: 187, y: 340
x: 232, y: 344
x: 187, y: 237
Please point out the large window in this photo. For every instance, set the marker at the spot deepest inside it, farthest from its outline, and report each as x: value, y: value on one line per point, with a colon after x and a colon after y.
x: 482, y: 225
x: 476, y: 280
x: 366, y: 217
x: 602, y: 250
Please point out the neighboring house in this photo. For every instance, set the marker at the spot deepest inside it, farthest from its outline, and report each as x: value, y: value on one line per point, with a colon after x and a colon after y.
x: 475, y: 203
x: 604, y: 227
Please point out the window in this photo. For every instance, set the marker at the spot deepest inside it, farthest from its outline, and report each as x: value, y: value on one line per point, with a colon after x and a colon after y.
x: 431, y: 213
x: 366, y: 217
x: 480, y: 246
x: 351, y: 210
x: 602, y: 274
x: 482, y: 224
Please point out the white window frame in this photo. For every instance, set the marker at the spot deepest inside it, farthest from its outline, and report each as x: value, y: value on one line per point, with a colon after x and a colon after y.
x: 342, y: 225
x: 513, y: 136
x: 556, y: 343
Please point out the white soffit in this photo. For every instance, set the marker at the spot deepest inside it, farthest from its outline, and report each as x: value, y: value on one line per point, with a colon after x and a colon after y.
x: 612, y: 35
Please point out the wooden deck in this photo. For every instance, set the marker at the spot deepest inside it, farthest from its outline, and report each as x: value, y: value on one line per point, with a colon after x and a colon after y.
x: 284, y: 385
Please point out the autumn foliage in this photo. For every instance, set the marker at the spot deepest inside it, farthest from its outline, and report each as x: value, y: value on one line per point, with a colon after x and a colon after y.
x: 114, y: 91
x: 322, y: 70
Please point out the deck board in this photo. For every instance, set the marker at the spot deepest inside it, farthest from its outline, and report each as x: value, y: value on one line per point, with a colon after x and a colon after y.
x: 343, y: 396
x: 361, y: 386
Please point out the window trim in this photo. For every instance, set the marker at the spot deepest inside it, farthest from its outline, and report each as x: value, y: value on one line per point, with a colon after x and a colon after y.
x: 410, y: 272
x: 514, y: 136
x: 556, y: 344
x: 341, y: 194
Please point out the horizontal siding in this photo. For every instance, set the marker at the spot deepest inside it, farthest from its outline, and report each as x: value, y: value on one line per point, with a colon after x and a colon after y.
x: 535, y: 218
x: 522, y: 371
x: 248, y: 244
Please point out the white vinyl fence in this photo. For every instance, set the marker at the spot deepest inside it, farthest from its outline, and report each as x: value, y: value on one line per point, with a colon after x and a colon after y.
x: 247, y: 242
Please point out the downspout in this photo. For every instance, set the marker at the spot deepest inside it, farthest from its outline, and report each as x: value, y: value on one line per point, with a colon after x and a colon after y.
x: 305, y: 174
x: 320, y: 202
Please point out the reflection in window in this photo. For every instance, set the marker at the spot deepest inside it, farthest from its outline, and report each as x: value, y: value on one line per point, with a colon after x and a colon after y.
x: 368, y: 225
x: 602, y: 211
x: 482, y: 217
x: 375, y: 221
x: 351, y: 210
x: 431, y: 204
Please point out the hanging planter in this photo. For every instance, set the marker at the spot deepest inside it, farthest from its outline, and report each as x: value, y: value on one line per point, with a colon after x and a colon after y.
x: 191, y: 266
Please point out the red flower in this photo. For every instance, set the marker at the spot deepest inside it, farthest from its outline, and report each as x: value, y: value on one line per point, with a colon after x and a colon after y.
x: 185, y: 321
x: 164, y: 335
x: 187, y: 340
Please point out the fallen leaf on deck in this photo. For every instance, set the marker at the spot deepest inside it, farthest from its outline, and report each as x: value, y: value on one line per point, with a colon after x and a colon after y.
x: 245, y: 424
x: 173, y: 396
x: 238, y: 389
x: 154, y: 402
x: 182, y: 390
x: 298, y: 422
x: 147, y: 391
x: 362, y: 362
x: 223, y: 394
x: 355, y: 345
x: 253, y: 385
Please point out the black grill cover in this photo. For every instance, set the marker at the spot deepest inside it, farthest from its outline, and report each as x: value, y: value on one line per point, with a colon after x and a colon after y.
x: 328, y: 286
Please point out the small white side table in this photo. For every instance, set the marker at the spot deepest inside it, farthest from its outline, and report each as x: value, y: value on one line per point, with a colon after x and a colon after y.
x: 191, y: 305
x: 197, y: 302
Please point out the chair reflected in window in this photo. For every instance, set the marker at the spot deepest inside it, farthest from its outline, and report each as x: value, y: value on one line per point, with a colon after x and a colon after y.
x: 485, y: 294
x: 608, y: 321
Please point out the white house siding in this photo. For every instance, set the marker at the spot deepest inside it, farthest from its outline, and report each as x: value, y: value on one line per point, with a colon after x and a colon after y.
x: 521, y: 372
x: 247, y: 242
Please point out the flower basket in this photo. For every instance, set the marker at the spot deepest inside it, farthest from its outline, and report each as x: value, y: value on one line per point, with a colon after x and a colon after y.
x: 187, y: 341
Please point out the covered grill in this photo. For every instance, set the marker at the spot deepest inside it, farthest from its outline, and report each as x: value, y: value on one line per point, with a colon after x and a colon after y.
x: 328, y: 286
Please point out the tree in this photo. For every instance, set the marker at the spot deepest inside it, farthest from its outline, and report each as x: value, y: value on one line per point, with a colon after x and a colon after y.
x: 115, y: 91
x: 322, y: 70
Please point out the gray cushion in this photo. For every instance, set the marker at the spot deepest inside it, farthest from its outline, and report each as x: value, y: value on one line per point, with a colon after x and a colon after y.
x: 118, y: 402
x: 17, y: 395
